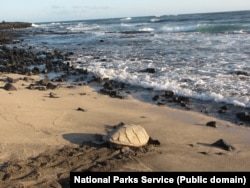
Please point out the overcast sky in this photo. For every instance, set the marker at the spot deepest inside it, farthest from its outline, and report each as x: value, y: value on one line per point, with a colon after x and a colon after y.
x: 65, y: 10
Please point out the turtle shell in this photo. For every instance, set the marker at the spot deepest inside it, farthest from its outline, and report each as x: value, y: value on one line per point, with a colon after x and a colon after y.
x: 128, y: 135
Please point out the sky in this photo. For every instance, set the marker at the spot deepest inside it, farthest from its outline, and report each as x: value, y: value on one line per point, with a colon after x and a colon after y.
x: 36, y: 11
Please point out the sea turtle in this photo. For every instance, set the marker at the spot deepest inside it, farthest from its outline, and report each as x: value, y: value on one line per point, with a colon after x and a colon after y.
x: 130, y: 135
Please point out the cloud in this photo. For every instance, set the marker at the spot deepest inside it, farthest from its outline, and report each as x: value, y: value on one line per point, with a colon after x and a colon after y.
x: 77, y: 7
x: 97, y: 7
x: 55, y: 7
x: 75, y: 12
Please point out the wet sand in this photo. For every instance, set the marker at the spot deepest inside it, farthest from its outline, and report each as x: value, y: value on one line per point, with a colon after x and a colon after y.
x: 47, y: 134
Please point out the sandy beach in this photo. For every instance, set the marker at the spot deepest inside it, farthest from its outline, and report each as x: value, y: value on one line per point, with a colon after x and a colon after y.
x: 47, y: 134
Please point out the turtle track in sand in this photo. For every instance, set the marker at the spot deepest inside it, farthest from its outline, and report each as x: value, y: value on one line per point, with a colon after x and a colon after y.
x: 52, y: 169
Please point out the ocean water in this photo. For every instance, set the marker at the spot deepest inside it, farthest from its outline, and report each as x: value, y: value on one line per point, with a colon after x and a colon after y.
x: 202, y: 56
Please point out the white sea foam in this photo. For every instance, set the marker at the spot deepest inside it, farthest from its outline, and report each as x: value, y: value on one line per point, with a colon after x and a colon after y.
x: 121, y: 73
x: 83, y: 27
x: 193, y: 56
x: 146, y: 29
x: 127, y: 25
x: 173, y: 28
x: 35, y: 25
x: 155, y: 19
x: 125, y: 19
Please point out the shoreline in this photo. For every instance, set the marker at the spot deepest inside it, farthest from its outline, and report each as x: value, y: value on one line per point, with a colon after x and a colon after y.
x: 48, y: 127
x: 19, y: 58
x: 50, y: 135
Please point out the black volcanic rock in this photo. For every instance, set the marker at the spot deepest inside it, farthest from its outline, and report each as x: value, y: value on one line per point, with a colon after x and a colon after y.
x: 211, y: 124
x: 7, y: 30
x: 223, y: 145
x: 14, y: 25
x: 9, y: 87
x: 244, y: 116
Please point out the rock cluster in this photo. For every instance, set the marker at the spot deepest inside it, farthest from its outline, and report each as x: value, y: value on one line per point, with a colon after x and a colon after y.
x: 7, y: 30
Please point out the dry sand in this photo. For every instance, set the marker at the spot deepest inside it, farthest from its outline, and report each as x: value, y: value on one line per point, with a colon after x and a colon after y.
x: 44, y: 138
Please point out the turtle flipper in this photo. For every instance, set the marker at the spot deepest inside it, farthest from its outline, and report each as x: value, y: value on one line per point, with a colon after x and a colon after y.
x: 98, y: 142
